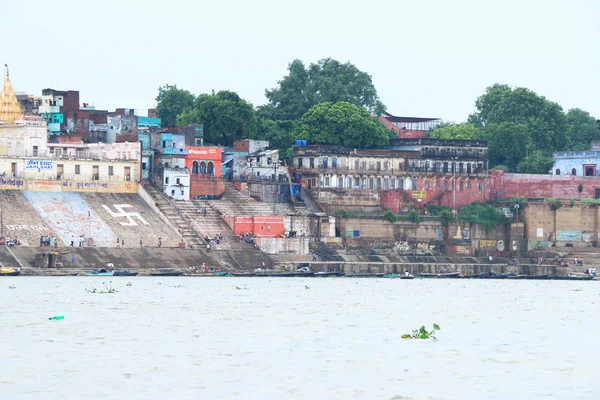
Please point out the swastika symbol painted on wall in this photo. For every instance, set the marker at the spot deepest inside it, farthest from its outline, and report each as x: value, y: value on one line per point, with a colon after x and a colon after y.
x: 122, y: 213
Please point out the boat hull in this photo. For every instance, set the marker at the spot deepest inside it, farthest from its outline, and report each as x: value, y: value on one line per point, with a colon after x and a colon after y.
x: 14, y: 273
x: 168, y: 274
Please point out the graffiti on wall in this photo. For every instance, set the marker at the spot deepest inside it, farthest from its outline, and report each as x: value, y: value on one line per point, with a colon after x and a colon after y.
x: 121, y: 213
x: 461, y: 232
x: 488, y: 244
x: 36, y: 228
x: 568, y: 236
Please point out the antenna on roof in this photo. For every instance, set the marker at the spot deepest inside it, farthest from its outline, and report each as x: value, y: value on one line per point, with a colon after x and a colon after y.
x: 6, y: 70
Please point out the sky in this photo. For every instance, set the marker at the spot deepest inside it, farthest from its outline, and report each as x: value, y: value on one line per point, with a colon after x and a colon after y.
x: 426, y: 58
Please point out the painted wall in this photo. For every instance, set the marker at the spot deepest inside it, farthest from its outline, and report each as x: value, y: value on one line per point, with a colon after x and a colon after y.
x: 298, y: 246
x: 19, y: 140
x: 573, y: 162
x: 68, y: 186
x: 259, y: 226
x: 198, y: 158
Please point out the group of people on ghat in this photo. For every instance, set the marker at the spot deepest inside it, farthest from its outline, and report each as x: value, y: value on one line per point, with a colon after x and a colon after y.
x: 49, y: 241
x: 212, y: 242
x: 203, y: 268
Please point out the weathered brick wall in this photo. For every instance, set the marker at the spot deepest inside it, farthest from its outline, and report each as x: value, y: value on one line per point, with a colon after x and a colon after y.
x: 202, y: 188
x: 529, y: 185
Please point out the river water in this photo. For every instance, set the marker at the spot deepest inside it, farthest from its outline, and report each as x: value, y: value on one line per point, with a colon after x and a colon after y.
x: 297, y: 338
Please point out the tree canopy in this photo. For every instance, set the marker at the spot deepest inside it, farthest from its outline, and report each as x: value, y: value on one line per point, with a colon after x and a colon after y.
x: 455, y: 131
x: 342, y: 124
x: 172, y: 102
x: 522, y: 129
x: 226, y: 117
x: 327, y: 80
x: 582, y: 129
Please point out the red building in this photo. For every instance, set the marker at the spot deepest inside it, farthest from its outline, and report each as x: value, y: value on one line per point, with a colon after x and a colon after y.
x: 206, y: 170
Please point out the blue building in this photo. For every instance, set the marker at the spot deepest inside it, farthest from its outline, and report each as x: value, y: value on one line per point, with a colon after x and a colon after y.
x: 581, y: 163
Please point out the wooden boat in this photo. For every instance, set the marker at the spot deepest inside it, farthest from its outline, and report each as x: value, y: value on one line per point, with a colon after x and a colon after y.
x: 124, y: 272
x: 174, y: 273
x: 489, y: 275
x: 167, y: 272
x: 100, y: 272
x: 249, y: 274
x: 365, y: 276
x: 571, y: 277
x: 326, y: 274
x: 535, y: 277
x: 284, y: 274
x: 448, y: 275
x: 10, y: 271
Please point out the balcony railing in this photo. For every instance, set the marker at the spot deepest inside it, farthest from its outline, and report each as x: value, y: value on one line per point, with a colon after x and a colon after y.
x: 79, y: 155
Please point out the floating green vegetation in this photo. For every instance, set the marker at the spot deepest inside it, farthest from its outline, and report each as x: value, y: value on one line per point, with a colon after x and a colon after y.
x: 422, y: 333
x: 107, y: 289
x: 129, y: 284
x: 12, y: 287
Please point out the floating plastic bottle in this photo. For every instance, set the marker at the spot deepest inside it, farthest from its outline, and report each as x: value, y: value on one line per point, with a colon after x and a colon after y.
x: 57, y: 317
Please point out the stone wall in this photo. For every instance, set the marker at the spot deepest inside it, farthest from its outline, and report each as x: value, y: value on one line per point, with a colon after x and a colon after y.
x: 297, y: 246
x: 575, y: 225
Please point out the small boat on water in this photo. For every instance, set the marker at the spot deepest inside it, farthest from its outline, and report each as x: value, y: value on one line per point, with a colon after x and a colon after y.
x: 534, y: 277
x: 326, y: 274
x: 571, y: 277
x: 448, y: 275
x: 10, y: 271
x: 489, y: 275
x: 399, y: 276
x: 249, y: 274
x: 364, y: 276
x: 124, y: 272
x: 167, y: 272
x: 100, y: 272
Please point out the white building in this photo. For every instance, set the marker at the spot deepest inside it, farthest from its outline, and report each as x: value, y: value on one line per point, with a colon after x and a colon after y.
x: 176, y: 183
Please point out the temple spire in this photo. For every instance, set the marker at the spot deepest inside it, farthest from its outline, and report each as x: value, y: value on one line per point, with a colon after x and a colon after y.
x: 10, y: 110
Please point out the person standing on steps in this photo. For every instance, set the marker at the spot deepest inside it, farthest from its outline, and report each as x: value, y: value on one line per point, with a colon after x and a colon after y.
x: 314, y: 256
x: 159, y: 242
x: 372, y: 250
x: 204, y: 211
x: 140, y: 243
x: 72, y: 240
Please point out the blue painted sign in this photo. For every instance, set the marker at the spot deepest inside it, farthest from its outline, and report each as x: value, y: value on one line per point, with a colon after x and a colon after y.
x: 45, y: 165
x: 568, y: 236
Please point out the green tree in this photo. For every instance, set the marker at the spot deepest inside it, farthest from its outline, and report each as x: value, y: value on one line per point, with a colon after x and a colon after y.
x: 507, y: 143
x: 481, y: 213
x: 537, y: 162
x: 455, y: 131
x: 327, y: 80
x: 278, y: 133
x: 583, y: 129
x: 172, y: 102
x: 226, y: 117
x: 341, y: 124
x: 544, y: 120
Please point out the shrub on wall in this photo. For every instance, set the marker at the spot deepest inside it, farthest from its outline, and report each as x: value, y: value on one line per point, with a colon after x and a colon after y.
x: 390, y: 216
x: 342, y: 212
x: 481, y: 213
x: 446, y: 217
x: 554, y: 204
x: 414, y: 216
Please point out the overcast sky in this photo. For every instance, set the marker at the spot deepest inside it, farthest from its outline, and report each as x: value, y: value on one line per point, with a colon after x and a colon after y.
x: 427, y: 58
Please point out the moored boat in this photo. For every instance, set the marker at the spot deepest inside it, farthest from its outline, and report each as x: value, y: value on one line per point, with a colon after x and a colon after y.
x: 124, y: 272
x: 100, y: 272
x: 167, y: 272
x: 9, y: 271
x: 571, y: 277
x: 365, y: 276
x: 447, y: 275
x: 326, y: 274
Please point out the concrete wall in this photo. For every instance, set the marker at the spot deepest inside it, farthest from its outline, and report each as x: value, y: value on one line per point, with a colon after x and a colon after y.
x: 68, y: 186
x: 576, y: 226
x: 297, y: 246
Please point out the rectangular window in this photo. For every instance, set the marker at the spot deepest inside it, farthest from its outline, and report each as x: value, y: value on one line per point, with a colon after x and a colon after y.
x: 177, y: 181
x: 35, y: 151
x: 143, y: 166
x: 371, y: 165
x: 385, y: 165
x: 356, y: 183
x: 437, y: 184
x: 480, y: 187
x: 378, y: 165
x: 325, y: 162
x: 334, y: 163
x: 371, y: 183
x: 414, y: 184
x: 356, y: 164
x: 340, y: 182
x: 469, y: 185
x: 166, y: 180
x: 364, y: 166
x: 460, y: 186
x: 326, y: 181
x: 111, y: 170
x: 378, y: 187
x: 426, y: 185
x: 393, y: 183
x: 312, y: 162
x: 348, y: 182
x: 300, y: 162
x: 77, y: 169
x: 385, y: 184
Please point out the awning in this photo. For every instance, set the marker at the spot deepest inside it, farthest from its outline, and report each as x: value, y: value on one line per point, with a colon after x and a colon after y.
x: 227, y: 160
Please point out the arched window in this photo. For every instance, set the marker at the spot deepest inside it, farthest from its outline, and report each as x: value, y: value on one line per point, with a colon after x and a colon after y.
x: 203, y: 167
x: 195, y: 167
x: 211, y: 168
x: 573, y: 171
x: 557, y: 171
